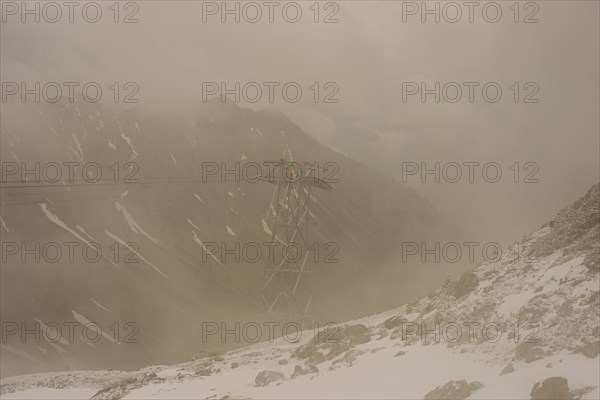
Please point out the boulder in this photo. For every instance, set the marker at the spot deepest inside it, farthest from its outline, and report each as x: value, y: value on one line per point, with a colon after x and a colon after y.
x: 265, y: 378
x: 394, y: 322
x: 455, y: 390
x: 299, y: 370
x: 507, y: 370
x: 590, y: 349
x: 529, y: 352
x: 555, y: 388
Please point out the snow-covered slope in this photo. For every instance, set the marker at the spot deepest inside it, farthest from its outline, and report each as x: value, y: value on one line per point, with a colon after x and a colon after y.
x: 526, y: 326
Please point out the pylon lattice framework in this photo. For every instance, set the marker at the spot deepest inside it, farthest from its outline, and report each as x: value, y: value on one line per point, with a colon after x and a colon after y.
x: 286, y: 285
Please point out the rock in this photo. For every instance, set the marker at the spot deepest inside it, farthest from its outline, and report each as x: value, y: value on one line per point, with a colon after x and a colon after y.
x: 400, y: 353
x: 337, y: 348
x: 151, y: 377
x: 466, y: 284
x: 309, y: 352
x: 455, y: 390
x: 554, y: 388
x: 590, y: 350
x: 393, y: 322
x: 358, y: 334
x: 265, y: 378
x: 508, y: 369
x: 529, y: 352
x: 283, y: 362
x: 578, y: 394
x: 299, y: 370
x: 235, y: 364
x: 346, y: 360
x: 337, y: 341
x: 203, y: 372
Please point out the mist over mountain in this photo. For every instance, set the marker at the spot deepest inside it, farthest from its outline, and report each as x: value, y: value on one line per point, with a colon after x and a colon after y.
x: 519, y: 327
x: 152, y: 213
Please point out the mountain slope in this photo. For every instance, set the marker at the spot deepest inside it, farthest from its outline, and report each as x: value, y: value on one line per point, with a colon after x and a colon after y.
x: 164, y: 297
x: 526, y: 326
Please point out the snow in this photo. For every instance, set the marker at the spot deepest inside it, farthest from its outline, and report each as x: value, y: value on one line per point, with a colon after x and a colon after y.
x: 257, y: 131
x: 93, y: 330
x: 266, y: 228
x: 192, y: 224
x: 409, y: 376
x: 169, y: 372
x: 57, y: 221
x: 80, y: 229
x: 4, y: 225
x: 513, y: 303
x: 552, y: 277
x: 76, y: 154
x: 100, y: 305
x: 54, y: 394
x: 197, y: 240
x: 79, y: 149
x: 52, y: 333
x: 133, y: 225
x: 127, y: 139
x: 230, y: 231
x: 131, y: 249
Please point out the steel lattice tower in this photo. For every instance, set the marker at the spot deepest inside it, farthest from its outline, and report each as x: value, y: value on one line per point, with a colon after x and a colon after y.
x: 286, y: 286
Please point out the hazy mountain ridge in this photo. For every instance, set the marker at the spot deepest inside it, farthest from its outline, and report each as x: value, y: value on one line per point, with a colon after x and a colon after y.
x: 544, y: 311
x: 171, y: 289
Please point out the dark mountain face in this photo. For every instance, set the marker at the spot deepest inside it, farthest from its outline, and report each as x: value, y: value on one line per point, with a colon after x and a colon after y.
x: 150, y: 213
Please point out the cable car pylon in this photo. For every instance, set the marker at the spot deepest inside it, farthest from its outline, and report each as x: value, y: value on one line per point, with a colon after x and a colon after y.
x: 286, y: 288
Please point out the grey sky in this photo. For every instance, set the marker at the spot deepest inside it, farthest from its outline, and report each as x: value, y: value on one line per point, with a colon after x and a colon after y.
x: 368, y: 54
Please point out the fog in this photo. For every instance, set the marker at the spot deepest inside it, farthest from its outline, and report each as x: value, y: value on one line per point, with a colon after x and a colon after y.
x: 405, y: 102
x: 369, y: 53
